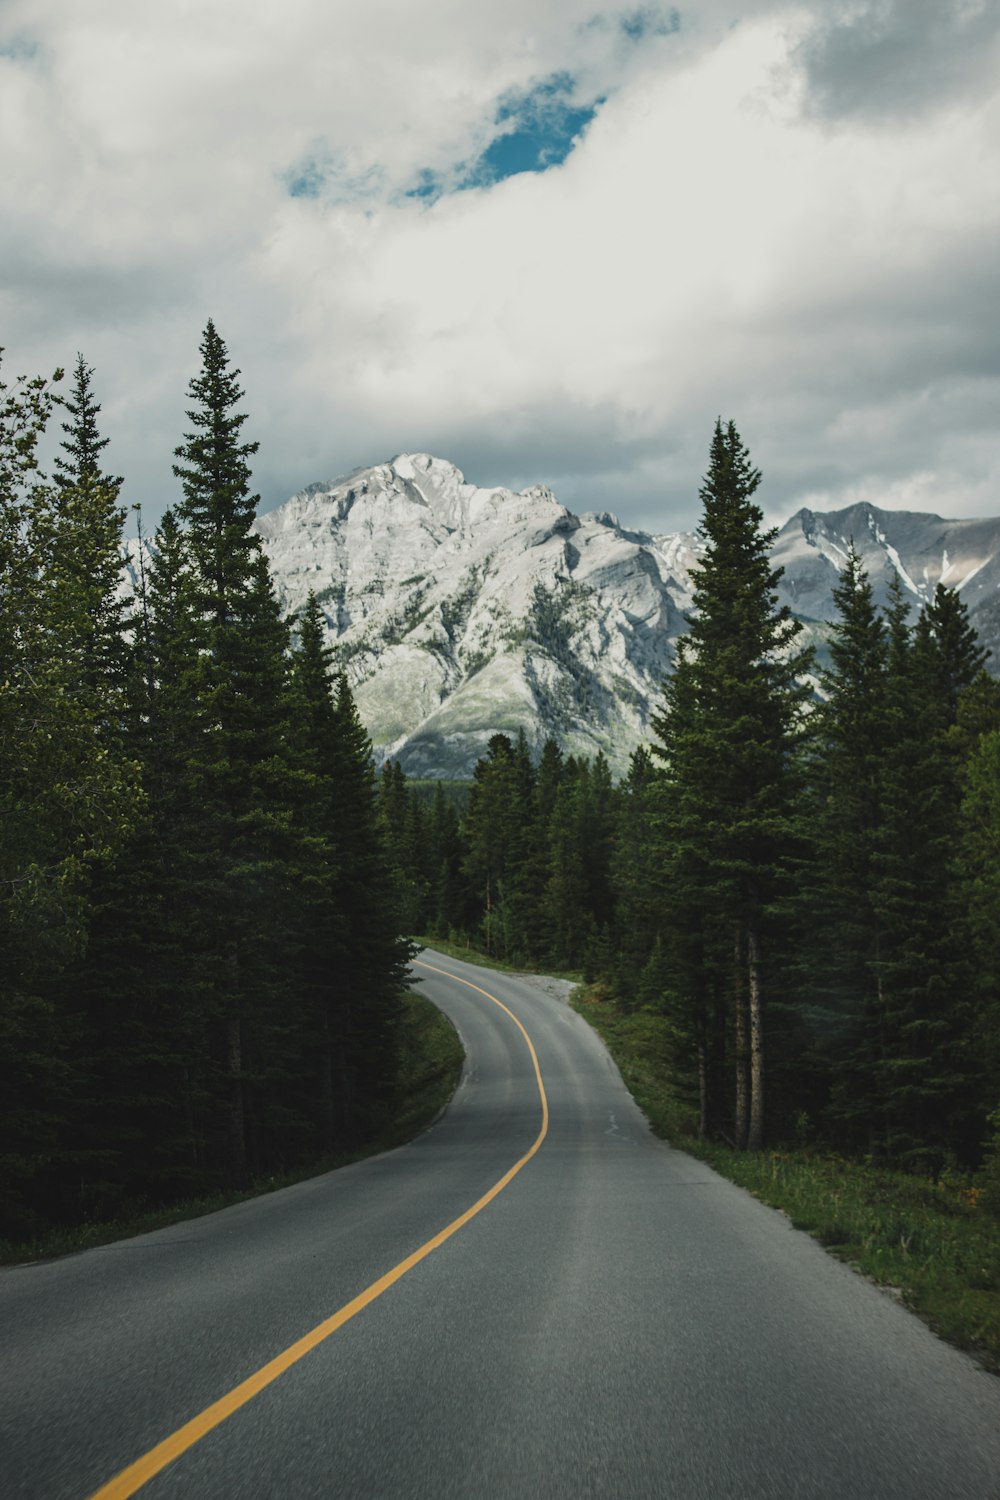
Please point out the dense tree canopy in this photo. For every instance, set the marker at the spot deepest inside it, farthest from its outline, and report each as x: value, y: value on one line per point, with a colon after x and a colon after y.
x: 797, y: 873
x: 206, y: 884
x: 201, y: 970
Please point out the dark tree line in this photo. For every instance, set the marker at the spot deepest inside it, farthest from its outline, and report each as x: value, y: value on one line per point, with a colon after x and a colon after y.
x: 525, y: 871
x: 202, y: 878
x: 200, y: 968
x: 804, y: 885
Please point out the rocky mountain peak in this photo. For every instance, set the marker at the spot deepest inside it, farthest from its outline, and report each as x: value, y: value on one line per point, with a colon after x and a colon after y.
x: 459, y: 611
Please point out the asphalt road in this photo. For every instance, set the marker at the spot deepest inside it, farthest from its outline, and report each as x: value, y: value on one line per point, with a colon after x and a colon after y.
x: 616, y: 1321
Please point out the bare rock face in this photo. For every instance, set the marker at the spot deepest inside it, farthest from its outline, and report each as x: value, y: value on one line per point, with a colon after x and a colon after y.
x: 924, y: 550
x: 460, y: 612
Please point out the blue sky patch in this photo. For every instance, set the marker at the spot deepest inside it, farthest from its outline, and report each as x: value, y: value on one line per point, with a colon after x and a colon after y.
x: 428, y: 185
x: 534, y: 130
x: 322, y: 173
x: 650, y: 20
x: 306, y: 180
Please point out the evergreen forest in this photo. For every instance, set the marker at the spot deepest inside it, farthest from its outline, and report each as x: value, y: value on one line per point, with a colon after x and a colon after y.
x: 207, y: 889
x: 800, y: 875
x: 201, y: 971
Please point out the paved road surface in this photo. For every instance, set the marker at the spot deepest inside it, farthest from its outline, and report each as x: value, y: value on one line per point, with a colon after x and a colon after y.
x: 617, y: 1321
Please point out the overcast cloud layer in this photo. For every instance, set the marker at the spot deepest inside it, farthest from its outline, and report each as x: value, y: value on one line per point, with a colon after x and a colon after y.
x: 784, y: 214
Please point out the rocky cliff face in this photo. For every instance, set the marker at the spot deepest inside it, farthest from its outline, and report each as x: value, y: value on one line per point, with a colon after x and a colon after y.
x: 924, y: 550
x: 458, y: 612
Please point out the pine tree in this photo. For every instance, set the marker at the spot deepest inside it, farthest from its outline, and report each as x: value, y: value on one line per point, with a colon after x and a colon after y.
x: 958, y: 656
x: 407, y: 839
x: 83, y: 526
x: 91, y: 622
x: 373, y: 969
x: 732, y: 719
x: 83, y: 444
x: 979, y: 870
x: 447, y: 912
x: 321, y: 924
x: 578, y: 899
x: 67, y: 796
x: 570, y: 921
x: 550, y: 778
x: 238, y: 776
x: 921, y: 1099
x: 638, y: 875
x: 149, y: 965
x: 497, y: 831
x: 852, y: 730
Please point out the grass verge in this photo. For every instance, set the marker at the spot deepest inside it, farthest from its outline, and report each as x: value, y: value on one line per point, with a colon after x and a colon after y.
x: 430, y: 1059
x: 930, y: 1244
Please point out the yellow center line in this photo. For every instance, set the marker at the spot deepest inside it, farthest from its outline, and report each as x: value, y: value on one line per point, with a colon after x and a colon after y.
x: 139, y: 1473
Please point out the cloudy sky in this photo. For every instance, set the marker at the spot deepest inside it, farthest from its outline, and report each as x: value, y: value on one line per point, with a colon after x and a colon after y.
x: 548, y: 240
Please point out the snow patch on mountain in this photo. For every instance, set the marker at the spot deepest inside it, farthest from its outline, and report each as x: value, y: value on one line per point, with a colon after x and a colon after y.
x: 458, y: 612
x: 924, y: 550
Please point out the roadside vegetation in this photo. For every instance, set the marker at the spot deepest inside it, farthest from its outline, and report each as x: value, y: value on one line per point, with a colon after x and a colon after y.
x: 430, y: 1059
x: 933, y: 1244
x: 786, y: 911
x: 472, y: 955
x: 202, y: 966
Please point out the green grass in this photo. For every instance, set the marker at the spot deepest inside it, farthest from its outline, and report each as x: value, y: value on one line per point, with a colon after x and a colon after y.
x: 932, y: 1244
x: 430, y: 1059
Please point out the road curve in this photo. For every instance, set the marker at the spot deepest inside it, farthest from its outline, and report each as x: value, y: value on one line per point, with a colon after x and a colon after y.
x: 615, y: 1320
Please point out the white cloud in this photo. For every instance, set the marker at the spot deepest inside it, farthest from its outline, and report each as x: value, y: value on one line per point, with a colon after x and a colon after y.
x: 717, y: 242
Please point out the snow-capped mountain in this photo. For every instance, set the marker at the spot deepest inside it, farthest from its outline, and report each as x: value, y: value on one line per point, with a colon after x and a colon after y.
x: 924, y: 550
x: 458, y: 612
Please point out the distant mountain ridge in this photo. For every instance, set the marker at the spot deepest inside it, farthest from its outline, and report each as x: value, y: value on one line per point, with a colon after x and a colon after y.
x: 923, y: 549
x: 458, y: 612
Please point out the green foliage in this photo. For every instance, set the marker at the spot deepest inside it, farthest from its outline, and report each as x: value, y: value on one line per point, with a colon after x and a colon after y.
x: 848, y: 772
x: 933, y: 1243
x: 83, y: 444
x: 430, y: 1059
x: 807, y: 882
x: 201, y: 976
x: 979, y: 870
x: 924, y: 1082
x: 203, y: 881
x: 728, y: 737
x: 68, y: 790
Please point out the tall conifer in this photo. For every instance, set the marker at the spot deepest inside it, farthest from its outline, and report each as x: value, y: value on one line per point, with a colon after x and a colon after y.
x: 372, y: 970
x: 852, y: 727
x: 236, y: 767
x: 727, y: 736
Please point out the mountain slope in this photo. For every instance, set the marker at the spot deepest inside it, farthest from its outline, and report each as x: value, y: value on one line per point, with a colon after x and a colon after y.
x: 924, y: 550
x: 458, y: 612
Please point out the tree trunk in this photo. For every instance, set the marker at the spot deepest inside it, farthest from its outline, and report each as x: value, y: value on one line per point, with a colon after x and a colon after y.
x: 718, y: 1076
x: 741, y: 1120
x: 702, y: 1083
x: 755, y: 1139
